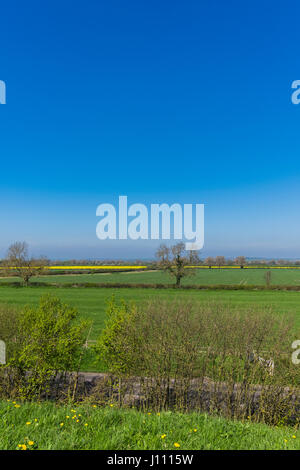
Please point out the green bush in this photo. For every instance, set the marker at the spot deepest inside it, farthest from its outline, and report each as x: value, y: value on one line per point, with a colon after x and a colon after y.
x: 175, y: 350
x: 112, y: 348
x: 48, y: 340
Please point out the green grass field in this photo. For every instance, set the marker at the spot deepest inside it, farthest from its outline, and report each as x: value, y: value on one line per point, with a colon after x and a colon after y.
x: 50, y: 427
x: 227, y: 276
x: 91, y: 303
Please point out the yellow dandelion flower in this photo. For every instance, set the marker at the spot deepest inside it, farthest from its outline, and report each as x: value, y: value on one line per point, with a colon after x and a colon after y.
x: 176, y: 444
x: 293, y: 437
x: 77, y: 420
x: 163, y: 436
x: 86, y: 424
x: 61, y: 424
x: 67, y: 417
x: 28, y: 423
x: 31, y: 443
x: 195, y: 430
x: 17, y: 406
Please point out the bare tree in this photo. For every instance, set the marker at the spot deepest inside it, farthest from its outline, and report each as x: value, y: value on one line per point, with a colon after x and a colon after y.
x: 210, y: 261
x: 220, y: 261
x: 18, y: 262
x: 267, y: 276
x: 163, y: 253
x: 193, y: 258
x: 240, y: 261
x: 174, y: 260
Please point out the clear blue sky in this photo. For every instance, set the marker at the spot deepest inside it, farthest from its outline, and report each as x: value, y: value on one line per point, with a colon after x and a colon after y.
x: 163, y: 101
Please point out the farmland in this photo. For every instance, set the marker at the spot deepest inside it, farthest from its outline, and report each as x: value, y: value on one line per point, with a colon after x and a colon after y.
x: 49, y: 426
x: 91, y: 302
x: 199, y: 276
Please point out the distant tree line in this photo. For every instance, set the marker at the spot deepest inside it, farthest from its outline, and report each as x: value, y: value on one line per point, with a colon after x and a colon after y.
x: 175, y: 260
x: 242, y: 261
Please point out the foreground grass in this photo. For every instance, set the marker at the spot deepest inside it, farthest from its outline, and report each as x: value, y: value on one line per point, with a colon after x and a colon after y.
x: 50, y: 427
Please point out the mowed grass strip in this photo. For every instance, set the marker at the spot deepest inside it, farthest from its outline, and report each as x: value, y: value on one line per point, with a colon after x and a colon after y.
x: 47, y: 426
x: 226, y: 276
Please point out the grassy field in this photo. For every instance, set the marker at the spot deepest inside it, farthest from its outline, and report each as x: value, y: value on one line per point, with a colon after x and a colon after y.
x: 91, y: 303
x: 48, y: 427
x: 227, y: 276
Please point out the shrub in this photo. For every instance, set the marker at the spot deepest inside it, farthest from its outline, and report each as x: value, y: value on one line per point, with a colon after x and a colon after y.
x: 211, y: 356
x: 48, y: 341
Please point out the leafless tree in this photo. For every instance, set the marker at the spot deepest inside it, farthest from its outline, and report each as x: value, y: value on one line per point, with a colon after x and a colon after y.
x: 163, y: 253
x: 17, y: 262
x: 240, y: 261
x: 193, y: 258
x: 175, y: 261
x: 220, y: 261
x: 268, y: 275
x: 210, y: 261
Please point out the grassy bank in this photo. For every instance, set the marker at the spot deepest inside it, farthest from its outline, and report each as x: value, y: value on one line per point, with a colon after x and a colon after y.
x: 48, y: 426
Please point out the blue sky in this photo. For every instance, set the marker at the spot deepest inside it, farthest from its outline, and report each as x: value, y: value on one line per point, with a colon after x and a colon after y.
x: 169, y: 101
